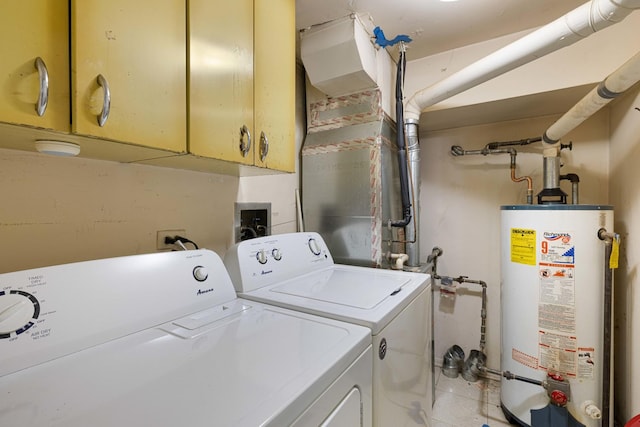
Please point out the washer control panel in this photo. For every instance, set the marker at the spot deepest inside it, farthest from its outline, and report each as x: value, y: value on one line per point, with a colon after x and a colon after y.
x: 53, y: 311
x: 259, y: 262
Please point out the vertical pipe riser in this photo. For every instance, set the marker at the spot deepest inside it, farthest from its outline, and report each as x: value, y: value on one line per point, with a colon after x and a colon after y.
x: 413, y: 228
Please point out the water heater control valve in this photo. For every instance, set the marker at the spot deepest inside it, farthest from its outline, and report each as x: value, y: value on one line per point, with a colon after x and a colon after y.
x: 558, y: 389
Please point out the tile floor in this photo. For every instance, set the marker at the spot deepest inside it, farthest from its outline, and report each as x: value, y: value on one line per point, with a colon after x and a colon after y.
x: 460, y: 403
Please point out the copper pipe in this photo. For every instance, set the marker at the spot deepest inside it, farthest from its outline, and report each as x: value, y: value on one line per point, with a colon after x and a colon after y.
x: 522, y: 178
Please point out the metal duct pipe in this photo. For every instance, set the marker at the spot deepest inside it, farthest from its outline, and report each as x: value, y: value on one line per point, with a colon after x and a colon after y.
x: 412, y: 231
x: 551, y: 192
x: 551, y: 169
x: 581, y: 22
x: 617, y: 83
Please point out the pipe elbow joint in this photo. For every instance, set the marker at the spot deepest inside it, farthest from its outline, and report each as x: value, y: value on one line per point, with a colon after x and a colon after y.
x: 412, y: 111
x: 548, y: 140
x: 400, y: 260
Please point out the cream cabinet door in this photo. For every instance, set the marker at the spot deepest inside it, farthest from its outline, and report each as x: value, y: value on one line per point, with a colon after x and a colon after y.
x: 31, y: 29
x: 221, y: 79
x: 135, y: 50
x: 274, y: 97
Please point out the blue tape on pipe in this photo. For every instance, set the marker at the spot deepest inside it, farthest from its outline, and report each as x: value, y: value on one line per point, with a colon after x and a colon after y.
x: 382, y: 41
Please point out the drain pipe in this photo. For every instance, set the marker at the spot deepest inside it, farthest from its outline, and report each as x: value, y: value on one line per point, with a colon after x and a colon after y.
x: 611, y: 244
x: 575, y: 180
x: 611, y: 87
x: 581, y: 22
x: 400, y: 142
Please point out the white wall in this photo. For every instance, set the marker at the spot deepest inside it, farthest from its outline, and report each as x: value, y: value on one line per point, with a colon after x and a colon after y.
x: 58, y: 210
x: 625, y: 196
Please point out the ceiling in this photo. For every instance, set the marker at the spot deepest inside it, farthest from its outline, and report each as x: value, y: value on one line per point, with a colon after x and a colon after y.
x: 437, y: 26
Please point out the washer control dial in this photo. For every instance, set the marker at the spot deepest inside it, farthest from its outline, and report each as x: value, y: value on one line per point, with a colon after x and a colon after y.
x: 261, y: 256
x: 314, y: 246
x: 18, y: 309
x: 200, y: 273
x: 277, y: 255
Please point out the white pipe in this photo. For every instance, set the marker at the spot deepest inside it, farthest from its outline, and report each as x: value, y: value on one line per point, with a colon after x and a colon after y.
x: 400, y: 260
x: 299, y: 211
x: 617, y: 82
x: 564, y: 31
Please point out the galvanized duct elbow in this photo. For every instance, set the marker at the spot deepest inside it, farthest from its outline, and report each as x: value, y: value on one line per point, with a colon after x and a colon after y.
x: 581, y: 22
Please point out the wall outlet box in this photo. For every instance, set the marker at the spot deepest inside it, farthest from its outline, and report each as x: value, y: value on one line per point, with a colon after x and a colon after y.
x: 161, y: 234
x: 252, y: 220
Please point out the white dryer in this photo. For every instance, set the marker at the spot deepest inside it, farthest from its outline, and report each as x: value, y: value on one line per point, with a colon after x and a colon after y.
x: 296, y: 271
x: 162, y: 340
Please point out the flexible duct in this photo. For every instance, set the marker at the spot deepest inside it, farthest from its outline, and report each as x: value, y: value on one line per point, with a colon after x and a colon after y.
x: 617, y: 82
x: 581, y: 22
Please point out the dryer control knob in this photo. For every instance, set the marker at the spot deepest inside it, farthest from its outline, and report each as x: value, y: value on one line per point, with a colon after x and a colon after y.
x: 314, y: 246
x: 277, y: 255
x: 261, y: 256
x: 200, y: 273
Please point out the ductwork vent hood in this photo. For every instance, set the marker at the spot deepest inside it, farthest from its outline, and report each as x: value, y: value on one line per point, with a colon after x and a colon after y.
x: 339, y: 56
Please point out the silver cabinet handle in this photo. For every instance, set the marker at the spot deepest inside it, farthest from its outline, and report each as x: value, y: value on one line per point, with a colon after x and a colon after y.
x: 245, y: 147
x: 264, y: 146
x: 106, y: 102
x: 43, y: 96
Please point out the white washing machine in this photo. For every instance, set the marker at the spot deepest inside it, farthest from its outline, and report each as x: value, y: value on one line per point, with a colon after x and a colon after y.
x: 162, y: 340
x: 296, y: 271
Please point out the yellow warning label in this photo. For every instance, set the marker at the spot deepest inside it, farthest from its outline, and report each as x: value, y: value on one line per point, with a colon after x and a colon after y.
x: 523, y: 246
x: 615, y: 254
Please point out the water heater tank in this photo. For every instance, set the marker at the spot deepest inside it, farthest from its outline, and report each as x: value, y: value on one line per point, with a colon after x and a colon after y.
x: 552, y: 305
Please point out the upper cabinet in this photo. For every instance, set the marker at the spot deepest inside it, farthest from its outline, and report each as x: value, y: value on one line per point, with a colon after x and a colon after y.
x: 221, y: 80
x: 149, y: 81
x: 128, y: 71
x: 34, y: 65
x: 242, y: 82
x: 274, y: 85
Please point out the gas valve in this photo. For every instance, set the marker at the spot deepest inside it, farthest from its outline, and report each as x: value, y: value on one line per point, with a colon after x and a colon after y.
x: 557, y: 388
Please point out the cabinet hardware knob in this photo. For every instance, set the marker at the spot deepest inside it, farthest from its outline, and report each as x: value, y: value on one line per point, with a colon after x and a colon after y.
x: 264, y: 146
x: 245, y: 147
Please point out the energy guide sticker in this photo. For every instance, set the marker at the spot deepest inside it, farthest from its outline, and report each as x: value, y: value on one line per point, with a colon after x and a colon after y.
x: 523, y: 246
